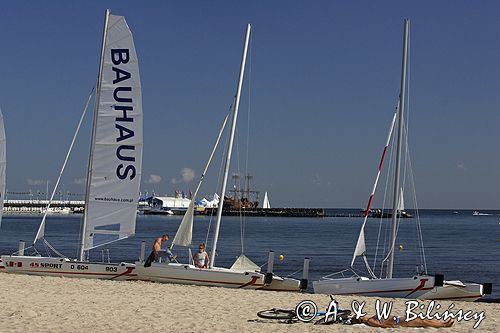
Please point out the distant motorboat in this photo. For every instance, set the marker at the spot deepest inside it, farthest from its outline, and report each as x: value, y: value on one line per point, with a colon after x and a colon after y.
x: 476, y: 213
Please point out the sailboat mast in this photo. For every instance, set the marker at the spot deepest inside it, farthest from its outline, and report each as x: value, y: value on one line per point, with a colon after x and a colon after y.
x: 92, y: 143
x: 230, y: 146
x: 396, y: 198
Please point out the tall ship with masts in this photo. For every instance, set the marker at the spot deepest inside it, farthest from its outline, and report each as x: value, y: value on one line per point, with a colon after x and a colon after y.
x: 241, y: 198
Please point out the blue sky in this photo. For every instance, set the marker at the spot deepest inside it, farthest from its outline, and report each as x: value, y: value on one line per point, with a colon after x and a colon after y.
x: 321, y: 90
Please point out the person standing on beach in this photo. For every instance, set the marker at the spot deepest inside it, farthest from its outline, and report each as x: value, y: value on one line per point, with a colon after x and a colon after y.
x: 155, y: 254
x: 200, y: 258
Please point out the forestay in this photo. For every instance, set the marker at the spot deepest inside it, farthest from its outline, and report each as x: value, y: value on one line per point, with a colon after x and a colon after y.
x: 360, y: 244
x: 3, y: 164
x: 184, y: 234
x: 116, y: 152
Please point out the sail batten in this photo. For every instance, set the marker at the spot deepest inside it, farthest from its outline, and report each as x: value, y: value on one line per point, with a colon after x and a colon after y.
x: 116, y: 156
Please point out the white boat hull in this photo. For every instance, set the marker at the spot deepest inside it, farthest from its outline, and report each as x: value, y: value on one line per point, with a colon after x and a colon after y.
x: 47, y: 266
x: 189, y: 274
x: 455, y: 290
x: 214, y: 277
x: 412, y: 287
x: 282, y: 284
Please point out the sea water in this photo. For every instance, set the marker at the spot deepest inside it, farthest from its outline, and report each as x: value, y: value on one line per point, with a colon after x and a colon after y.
x: 460, y: 246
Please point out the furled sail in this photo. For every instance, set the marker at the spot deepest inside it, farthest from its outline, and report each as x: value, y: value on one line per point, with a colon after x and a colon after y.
x: 3, y: 164
x: 117, y: 143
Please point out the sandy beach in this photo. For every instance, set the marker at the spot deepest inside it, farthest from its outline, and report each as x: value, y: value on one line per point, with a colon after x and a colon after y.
x: 52, y: 304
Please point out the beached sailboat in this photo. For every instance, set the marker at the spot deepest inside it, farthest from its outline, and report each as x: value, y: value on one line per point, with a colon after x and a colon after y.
x: 458, y: 291
x: 408, y: 287
x: 243, y: 273
x: 420, y: 286
x: 114, y: 169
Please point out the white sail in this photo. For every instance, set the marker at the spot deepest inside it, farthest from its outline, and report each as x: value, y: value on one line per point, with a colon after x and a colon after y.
x: 3, y: 164
x: 266, y: 203
x: 401, y: 206
x: 244, y: 264
x: 360, y: 245
x: 184, y: 234
x: 116, y: 152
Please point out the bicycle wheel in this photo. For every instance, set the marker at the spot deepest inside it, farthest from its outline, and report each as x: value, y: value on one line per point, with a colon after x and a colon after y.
x: 276, y: 314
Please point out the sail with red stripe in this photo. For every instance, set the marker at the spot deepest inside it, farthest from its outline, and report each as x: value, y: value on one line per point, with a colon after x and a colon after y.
x: 360, y: 245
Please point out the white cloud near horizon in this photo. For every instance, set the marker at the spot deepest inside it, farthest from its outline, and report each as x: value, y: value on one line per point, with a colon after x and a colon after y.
x: 153, y: 179
x: 316, y: 179
x: 461, y: 166
x: 34, y: 182
x: 187, y: 175
x: 79, y: 181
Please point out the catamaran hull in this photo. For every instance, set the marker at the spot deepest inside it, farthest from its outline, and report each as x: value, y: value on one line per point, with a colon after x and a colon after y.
x: 191, y: 275
x: 215, y: 277
x: 412, y: 287
x: 64, y: 267
x: 282, y: 284
x: 455, y: 290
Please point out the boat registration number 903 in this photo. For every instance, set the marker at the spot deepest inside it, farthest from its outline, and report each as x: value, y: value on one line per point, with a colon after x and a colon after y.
x: 111, y: 269
x: 80, y: 267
